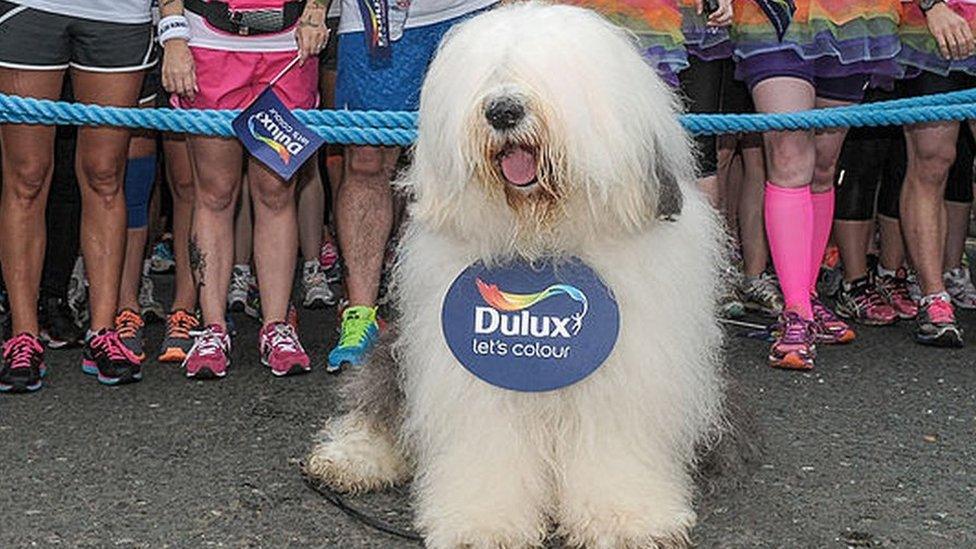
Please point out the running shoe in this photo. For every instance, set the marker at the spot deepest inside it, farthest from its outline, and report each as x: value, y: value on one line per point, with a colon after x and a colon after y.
x: 78, y: 292
x: 329, y: 260
x: 914, y: 288
x: 58, y: 328
x: 936, y: 322
x: 282, y: 351
x: 4, y: 315
x: 831, y: 272
x: 178, y: 341
x: 357, y: 335
x: 149, y: 307
x: 315, y: 286
x: 794, y: 347
x: 23, y: 365
x: 761, y: 294
x: 107, y: 358
x: 252, y: 302
x: 860, y: 301
x: 291, y: 316
x: 209, y: 356
x: 729, y: 304
x: 131, y: 329
x: 240, y: 282
x: 959, y: 286
x: 162, y: 259
x: 829, y: 329
x: 895, y: 289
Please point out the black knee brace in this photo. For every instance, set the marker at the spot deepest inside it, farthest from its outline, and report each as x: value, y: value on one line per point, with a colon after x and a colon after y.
x: 701, y: 86
x: 859, y: 169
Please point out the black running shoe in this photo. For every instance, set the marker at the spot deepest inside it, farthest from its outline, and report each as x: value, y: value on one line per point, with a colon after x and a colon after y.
x: 106, y: 357
x: 58, y: 328
x: 936, y: 322
x: 4, y: 316
x: 23, y: 365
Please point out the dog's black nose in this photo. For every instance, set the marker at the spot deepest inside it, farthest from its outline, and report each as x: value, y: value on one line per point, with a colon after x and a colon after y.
x: 504, y: 113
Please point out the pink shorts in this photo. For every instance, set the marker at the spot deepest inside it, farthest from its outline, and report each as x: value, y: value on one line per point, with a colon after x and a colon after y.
x: 230, y: 80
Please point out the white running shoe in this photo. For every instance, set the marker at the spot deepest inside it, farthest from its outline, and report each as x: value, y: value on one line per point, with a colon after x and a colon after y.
x: 240, y: 279
x: 959, y: 285
x: 315, y: 285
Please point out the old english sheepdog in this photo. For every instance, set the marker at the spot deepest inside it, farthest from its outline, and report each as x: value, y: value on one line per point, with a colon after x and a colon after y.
x: 544, y: 136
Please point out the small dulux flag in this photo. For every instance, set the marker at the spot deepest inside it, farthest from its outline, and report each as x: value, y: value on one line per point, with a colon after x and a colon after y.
x: 270, y: 132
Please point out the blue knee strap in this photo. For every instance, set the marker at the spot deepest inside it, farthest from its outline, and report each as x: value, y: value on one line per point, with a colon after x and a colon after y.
x: 140, y: 174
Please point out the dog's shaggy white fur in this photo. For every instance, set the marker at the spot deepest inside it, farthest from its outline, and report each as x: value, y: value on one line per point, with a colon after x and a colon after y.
x: 607, y: 462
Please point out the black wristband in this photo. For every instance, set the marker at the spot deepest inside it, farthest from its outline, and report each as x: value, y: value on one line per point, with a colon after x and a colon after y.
x: 926, y: 5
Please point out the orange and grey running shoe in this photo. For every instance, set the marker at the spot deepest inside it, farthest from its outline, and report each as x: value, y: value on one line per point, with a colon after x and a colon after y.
x: 794, y: 347
x: 178, y: 340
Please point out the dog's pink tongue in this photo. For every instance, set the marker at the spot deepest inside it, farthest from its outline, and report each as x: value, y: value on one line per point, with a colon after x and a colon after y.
x: 518, y: 166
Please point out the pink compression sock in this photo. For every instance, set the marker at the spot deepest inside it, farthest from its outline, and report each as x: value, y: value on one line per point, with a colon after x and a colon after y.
x: 823, y: 221
x: 789, y: 227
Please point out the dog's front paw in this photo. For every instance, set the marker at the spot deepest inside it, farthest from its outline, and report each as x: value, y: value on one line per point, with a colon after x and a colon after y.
x: 484, y: 536
x: 356, y: 455
x: 626, y: 530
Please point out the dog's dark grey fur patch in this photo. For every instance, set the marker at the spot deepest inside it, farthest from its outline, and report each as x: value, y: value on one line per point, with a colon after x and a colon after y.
x: 374, y: 389
x: 728, y: 459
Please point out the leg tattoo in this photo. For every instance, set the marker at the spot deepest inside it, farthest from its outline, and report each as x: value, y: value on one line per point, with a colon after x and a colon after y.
x: 198, y: 262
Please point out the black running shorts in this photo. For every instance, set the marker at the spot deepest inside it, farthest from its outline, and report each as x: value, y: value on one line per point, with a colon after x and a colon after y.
x: 32, y: 39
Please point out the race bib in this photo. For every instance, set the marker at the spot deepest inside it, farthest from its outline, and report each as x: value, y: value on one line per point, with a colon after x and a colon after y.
x: 530, y: 327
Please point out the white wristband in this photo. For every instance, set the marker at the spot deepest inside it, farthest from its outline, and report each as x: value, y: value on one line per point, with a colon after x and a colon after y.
x: 173, y: 26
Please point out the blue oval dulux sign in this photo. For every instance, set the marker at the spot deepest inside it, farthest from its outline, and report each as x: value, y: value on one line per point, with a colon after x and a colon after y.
x: 530, y: 327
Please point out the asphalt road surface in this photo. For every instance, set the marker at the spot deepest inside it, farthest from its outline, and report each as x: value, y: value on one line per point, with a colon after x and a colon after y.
x: 876, y: 448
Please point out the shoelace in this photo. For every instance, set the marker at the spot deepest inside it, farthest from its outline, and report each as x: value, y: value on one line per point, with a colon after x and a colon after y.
x: 283, y: 339
x: 127, y: 323
x: 794, y: 329
x: 896, y: 286
x: 206, y: 343
x: 162, y: 251
x: 822, y: 313
x: 963, y: 283
x: 940, y: 312
x: 20, y: 352
x: 315, y: 279
x: 240, y: 280
x: 867, y: 297
x: 109, y: 344
x: 767, y: 289
x: 179, y: 325
x: 354, y: 329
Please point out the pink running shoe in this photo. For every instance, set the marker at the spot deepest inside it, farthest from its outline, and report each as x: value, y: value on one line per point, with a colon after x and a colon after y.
x: 828, y: 327
x: 329, y: 261
x: 794, y: 347
x: 895, y: 290
x: 282, y: 351
x: 210, y: 355
x: 23, y: 364
x: 861, y: 301
x: 107, y: 358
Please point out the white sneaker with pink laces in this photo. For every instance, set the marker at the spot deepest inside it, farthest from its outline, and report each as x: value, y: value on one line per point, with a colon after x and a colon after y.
x: 282, y: 351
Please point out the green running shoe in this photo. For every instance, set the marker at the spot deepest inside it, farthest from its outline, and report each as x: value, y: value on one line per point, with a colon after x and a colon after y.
x: 356, y: 338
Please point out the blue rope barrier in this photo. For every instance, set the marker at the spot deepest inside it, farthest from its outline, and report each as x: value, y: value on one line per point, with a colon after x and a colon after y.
x: 399, y: 127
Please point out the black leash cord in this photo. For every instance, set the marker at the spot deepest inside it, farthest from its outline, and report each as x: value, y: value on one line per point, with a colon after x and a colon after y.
x: 335, y: 499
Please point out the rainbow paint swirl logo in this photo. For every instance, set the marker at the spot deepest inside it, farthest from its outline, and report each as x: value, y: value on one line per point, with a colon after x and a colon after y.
x: 277, y: 147
x: 510, y: 302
